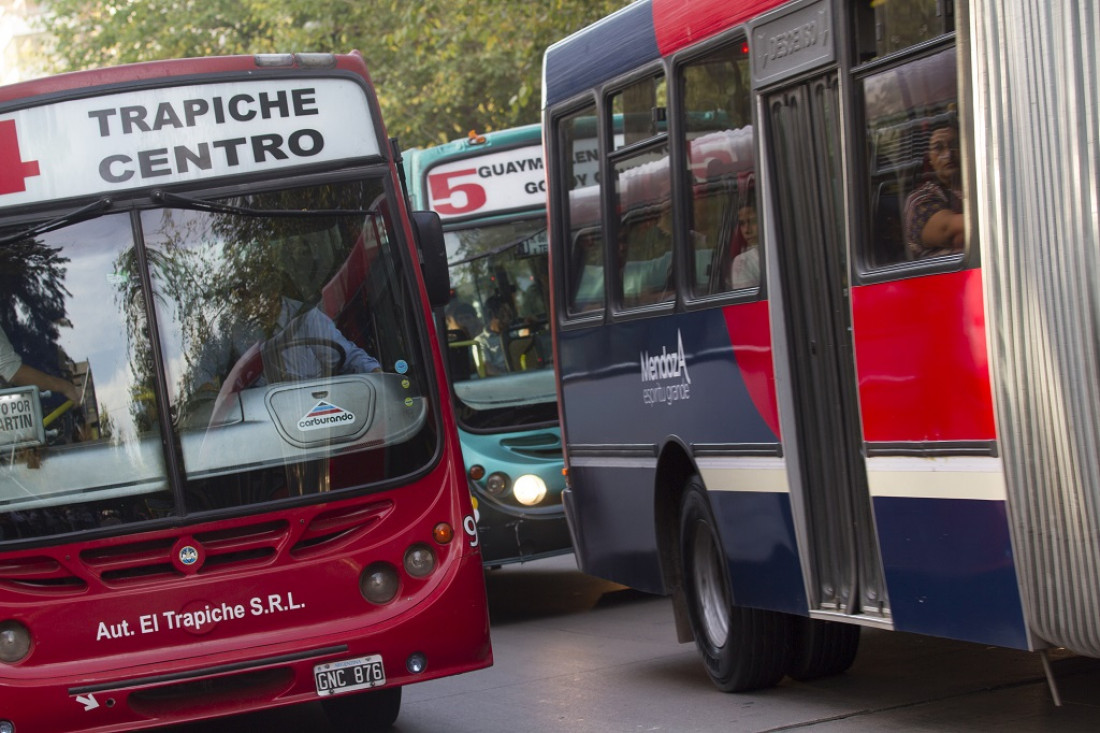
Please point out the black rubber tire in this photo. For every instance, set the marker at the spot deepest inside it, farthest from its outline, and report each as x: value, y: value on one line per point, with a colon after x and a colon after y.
x: 742, y: 648
x: 821, y: 648
x: 363, y: 712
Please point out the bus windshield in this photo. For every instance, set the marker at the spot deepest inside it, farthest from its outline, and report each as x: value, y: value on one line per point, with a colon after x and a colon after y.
x: 498, y: 330
x: 229, y: 353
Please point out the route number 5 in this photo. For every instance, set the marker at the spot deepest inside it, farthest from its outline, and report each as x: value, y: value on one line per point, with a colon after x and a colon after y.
x: 443, y: 190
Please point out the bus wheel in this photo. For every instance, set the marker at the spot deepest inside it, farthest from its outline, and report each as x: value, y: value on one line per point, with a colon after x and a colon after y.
x: 364, y: 712
x: 821, y: 648
x: 742, y: 648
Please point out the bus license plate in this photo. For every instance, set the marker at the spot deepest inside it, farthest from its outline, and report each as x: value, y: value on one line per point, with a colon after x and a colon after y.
x: 361, y: 673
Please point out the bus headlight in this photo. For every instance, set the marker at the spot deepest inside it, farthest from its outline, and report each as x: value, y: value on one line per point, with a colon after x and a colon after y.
x: 15, y: 641
x: 529, y: 489
x: 497, y: 483
x: 419, y: 561
x: 379, y: 583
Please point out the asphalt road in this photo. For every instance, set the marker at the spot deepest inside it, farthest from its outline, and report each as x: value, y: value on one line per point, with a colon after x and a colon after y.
x: 574, y: 653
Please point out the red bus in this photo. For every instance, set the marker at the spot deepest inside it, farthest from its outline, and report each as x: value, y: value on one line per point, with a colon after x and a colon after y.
x: 825, y: 321
x: 229, y: 476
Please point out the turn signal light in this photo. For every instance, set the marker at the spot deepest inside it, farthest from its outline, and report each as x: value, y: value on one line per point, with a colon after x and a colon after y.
x: 443, y: 533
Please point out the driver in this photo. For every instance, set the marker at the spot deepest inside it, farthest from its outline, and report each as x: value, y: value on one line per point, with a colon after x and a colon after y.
x: 280, y: 335
x: 15, y: 372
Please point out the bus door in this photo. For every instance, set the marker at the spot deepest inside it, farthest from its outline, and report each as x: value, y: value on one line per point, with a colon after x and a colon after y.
x: 840, y: 551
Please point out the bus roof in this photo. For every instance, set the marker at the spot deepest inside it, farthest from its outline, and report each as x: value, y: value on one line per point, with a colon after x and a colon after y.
x: 639, y: 33
x: 153, y: 70
x: 418, y: 160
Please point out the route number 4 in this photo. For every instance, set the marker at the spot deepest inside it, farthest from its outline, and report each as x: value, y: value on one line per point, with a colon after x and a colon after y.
x: 444, y: 190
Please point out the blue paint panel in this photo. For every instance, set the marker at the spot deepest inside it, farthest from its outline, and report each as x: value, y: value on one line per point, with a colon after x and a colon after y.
x: 606, y: 396
x: 758, y: 537
x: 615, y: 526
x: 600, y: 52
x: 949, y: 569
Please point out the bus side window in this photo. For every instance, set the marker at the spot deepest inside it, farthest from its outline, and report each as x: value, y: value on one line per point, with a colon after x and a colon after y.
x: 586, y: 272
x: 717, y: 120
x: 882, y: 28
x: 913, y: 164
x: 644, y: 200
x: 643, y: 193
x: 580, y: 169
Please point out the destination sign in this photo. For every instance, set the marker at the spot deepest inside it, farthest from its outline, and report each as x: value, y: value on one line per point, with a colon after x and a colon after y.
x: 154, y: 137
x: 497, y: 181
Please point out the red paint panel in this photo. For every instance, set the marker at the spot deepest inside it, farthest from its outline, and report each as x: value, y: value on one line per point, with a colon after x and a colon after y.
x: 680, y: 23
x: 750, y: 334
x: 921, y: 359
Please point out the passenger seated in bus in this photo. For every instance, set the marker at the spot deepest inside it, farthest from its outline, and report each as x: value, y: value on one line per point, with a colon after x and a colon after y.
x: 586, y: 277
x: 462, y: 320
x: 933, y: 212
x: 745, y: 268
x: 494, y: 352
x: 645, y: 257
x: 16, y: 373
x: 462, y: 325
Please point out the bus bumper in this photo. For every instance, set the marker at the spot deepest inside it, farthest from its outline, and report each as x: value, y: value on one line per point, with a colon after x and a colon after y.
x: 510, y: 537
x: 452, y: 633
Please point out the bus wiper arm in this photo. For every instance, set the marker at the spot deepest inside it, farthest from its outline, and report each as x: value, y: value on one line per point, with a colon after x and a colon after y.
x: 90, y: 211
x: 217, y: 207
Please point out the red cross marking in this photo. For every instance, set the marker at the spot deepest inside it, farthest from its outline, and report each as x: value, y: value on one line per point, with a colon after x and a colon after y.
x: 14, y: 171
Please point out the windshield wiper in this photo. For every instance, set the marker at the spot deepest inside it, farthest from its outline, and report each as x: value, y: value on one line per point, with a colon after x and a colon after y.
x: 218, y: 207
x: 91, y: 211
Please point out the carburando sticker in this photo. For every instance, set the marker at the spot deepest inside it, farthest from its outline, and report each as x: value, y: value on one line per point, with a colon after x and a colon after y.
x: 325, y: 415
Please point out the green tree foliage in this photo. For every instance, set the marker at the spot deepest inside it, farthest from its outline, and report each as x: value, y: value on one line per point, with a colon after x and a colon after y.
x: 442, y: 67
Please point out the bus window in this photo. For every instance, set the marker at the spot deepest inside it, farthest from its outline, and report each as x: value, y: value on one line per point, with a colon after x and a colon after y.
x: 717, y: 118
x: 252, y: 309
x: 643, y: 198
x: 585, y: 277
x: 885, y: 27
x: 641, y: 107
x: 913, y: 162
x: 101, y: 464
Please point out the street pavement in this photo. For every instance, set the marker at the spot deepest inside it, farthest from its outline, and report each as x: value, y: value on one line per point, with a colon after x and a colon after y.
x: 578, y: 654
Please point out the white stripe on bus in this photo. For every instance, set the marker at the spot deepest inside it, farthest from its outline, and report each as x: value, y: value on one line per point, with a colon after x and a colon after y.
x: 760, y: 474
x: 962, y: 477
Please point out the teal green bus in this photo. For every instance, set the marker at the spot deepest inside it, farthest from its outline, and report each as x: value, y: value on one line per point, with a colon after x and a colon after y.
x: 489, y: 191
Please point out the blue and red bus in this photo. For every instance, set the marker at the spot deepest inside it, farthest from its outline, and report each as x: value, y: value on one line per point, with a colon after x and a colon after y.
x: 825, y: 321
x: 229, y: 477
x: 490, y: 193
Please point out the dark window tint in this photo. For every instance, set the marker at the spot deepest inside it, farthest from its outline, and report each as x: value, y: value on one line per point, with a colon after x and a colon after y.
x: 886, y: 26
x: 722, y: 171
x: 580, y: 172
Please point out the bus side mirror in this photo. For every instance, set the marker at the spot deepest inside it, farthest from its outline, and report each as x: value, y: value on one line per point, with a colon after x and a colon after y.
x: 433, y: 257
